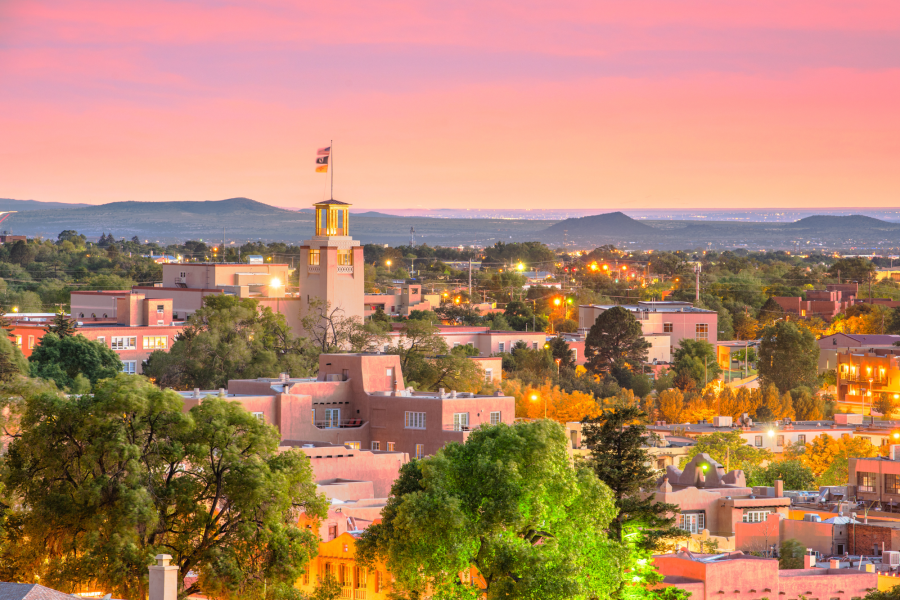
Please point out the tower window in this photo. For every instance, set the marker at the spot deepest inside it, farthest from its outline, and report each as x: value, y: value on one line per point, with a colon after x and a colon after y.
x: 313, y: 257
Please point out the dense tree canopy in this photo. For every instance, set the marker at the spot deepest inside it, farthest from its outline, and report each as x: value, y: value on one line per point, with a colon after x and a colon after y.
x: 788, y: 357
x: 62, y: 360
x: 508, y: 503
x: 115, y: 477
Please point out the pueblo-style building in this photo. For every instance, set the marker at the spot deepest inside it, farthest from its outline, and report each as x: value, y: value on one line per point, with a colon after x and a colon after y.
x: 359, y: 401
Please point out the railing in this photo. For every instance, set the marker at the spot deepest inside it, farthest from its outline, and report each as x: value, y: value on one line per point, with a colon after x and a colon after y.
x: 860, y: 378
x: 345, y: 269
x: 339, y: 423
x: 346, y: 592
x: 458, y: 428
x: 360, y: 594
x: 313, y: 268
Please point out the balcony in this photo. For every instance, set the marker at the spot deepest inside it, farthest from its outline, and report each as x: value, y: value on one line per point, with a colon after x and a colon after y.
x: 339, y: 423
x: 346, y: 592
x: 313, y: 268
x: 346, y: 269
x: 360, y: 594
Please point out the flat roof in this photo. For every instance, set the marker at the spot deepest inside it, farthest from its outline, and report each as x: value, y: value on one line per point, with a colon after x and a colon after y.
x: 799, y: 426
x: 680, y: 308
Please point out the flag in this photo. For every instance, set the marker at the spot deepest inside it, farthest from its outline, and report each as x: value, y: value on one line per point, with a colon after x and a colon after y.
x: 322, y: 169
x: 321, y: 160
x: 324, y: 151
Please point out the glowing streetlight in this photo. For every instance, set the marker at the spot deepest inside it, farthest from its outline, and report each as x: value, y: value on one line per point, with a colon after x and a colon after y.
x: 275, y: 282
x: 520, y: 267
x: 388, y: 262
x: 534, y: 398
x: 15, y: 309
x: 556, y: 301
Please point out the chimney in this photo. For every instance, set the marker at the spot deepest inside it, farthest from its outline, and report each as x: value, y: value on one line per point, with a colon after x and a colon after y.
x: 163, y: 579
x: 894, y: 453
x: 196, y: 392
x: 834, y: 564
x: 809, y: 562
x: 221, y: 392
x: 779, y: 488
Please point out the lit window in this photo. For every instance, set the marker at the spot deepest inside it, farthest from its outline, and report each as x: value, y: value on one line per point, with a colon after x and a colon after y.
x: 702, y: 331
x: 345, y: 258
x: 352, y: 445
x: 313, y: 257
x: 495, y: 417
x: 865, y: 482
x: 420, y: 450
x: 124, y: 343
x: 414, y: 420
x: 391, y: 446
x: 667, y: 328
x: 31, y: 341
x: 155, y: 342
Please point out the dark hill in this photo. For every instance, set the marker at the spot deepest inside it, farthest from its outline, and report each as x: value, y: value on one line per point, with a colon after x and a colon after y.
x: 615, y: 224
x: 840, y: 222
x: 23, y: 205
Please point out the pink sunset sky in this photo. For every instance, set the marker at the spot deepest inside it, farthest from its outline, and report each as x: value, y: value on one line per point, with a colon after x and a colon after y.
x: 581, y: 104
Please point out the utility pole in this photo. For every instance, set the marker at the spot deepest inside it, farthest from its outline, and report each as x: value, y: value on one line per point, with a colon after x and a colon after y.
x: 697, y: 271
x: 470, y: 279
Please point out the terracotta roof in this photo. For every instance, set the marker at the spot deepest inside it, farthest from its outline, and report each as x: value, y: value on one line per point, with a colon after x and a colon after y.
x: 30, y: 591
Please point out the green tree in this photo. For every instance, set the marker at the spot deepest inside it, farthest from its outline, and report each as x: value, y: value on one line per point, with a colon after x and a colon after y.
x: 730, y: 450
x: 790, y: 555
x: 852, y: 269
x: 697, y: 359
x: 521, y: 317
x: 560, y: 351
x: 615, y: 340
x: 120, y: 475
x: 231, y: 338
x: 12, y: 361
x: 788, y: 357
x: 621, y: 461
x: 61, y: 360
x: 509, y: 503
x: 62, y: 325
x: 807, y: 406
x: 428, y: 364
x: 794, y: 474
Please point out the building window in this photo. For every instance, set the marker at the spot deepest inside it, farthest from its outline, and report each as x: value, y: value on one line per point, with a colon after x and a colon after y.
x: 313, y: 257
x: 460, y: 421
x: 123, y: 343
x: 389, y: 372
x: 692, y: 522
x: 495, y: 417
x: 345, y: 257
x: 101, y: 339
x: 702, y: 331
x: 501, y: 347
x: 534, y: 345
x: 129, y: 366
x: 352, y: 445
x: 420, y: 450
x: 160, y: 307
x: 260, y: 416
x: 456, y: 344
x: 759, y: 441
x: 801, y: 438
x: 30, y: 341
x: 756, y: 516
x: 332, y: 418
x: 667, y: 328
x: 865, y: 482
x: 391, y: 446
x: 892, y: 484
x: 376, y: 445
x: 488, y: 375
x: 155, y: 342
x: 379, y: 584
x: 361, y: 578
x: 779, y: 441
x: 414, y: 420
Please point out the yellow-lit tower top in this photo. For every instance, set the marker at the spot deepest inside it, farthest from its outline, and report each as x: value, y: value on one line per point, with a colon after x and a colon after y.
x: 332, y: 218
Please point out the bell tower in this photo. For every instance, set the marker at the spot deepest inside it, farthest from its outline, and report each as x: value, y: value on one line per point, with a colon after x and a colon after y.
x: 331, y: 262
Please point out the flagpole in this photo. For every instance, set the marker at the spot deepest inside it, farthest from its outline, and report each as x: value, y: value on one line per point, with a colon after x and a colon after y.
x: 332, y: 168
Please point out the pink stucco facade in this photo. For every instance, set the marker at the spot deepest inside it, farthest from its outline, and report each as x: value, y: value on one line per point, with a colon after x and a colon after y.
x: 359, y: 400
x: 743, y: 577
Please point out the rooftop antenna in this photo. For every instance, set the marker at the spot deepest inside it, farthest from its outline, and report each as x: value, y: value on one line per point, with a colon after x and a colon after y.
x: 412, y: 237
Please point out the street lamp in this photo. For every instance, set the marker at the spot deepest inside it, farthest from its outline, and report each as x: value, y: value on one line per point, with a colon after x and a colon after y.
x: 388, y: 263
x: 534, y: 398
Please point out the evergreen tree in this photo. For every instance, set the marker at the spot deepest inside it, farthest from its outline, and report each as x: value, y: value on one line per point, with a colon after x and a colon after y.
x: 6, y: 324
x: 621, y: 461
x: 62, y: 325
x: 788, y: 357
x: 616, y: 339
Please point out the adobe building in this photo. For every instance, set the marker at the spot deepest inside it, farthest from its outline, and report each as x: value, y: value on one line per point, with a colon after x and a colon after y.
x: 711, y: 499
x: 673, y: 320
x: 746, y: 577
x: 401, y: 300
x: 360, y: 401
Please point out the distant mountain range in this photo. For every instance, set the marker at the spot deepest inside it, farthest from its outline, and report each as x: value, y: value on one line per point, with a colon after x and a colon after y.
x: 244, y: 219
